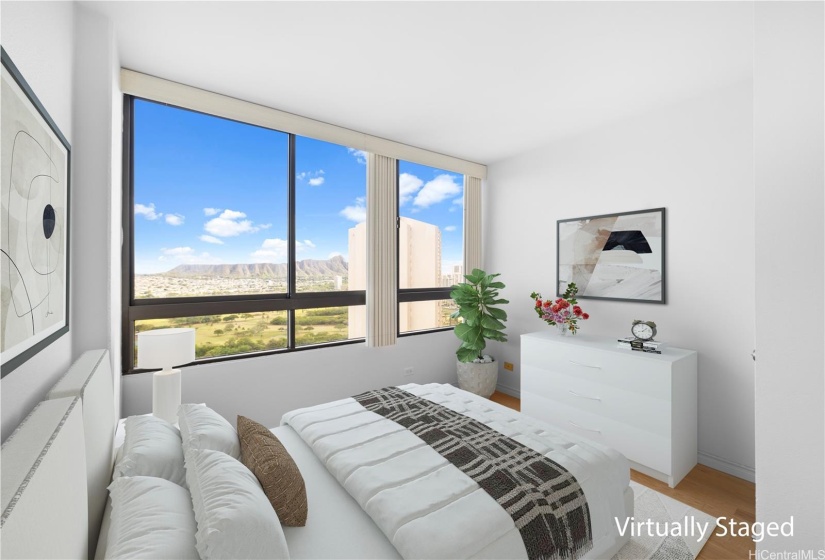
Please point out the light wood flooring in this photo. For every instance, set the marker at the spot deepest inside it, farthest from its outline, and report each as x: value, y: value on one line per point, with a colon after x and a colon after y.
x: 714, y: 492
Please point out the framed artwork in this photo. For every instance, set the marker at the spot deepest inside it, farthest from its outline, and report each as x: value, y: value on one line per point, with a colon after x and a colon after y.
x: 614, y: 256
x: 34, y: 223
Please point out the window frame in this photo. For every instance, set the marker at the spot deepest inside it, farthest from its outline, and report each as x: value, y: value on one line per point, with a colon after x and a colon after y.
x: 166, y: 308
x: 407, y: 295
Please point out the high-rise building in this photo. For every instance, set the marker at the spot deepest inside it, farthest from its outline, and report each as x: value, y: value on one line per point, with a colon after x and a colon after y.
x: 419, y: 266
x: 455, y: 276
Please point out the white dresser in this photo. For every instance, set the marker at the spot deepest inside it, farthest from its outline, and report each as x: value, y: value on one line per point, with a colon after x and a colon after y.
x: 643, y: 405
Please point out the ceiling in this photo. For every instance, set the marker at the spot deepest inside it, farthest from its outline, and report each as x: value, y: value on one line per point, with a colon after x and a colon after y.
x: 478, y: 80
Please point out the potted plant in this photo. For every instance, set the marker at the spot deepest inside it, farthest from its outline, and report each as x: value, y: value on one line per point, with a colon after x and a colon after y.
x: 479, y: 321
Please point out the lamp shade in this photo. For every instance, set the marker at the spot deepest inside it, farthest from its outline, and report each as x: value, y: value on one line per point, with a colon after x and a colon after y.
x: 165, y: 348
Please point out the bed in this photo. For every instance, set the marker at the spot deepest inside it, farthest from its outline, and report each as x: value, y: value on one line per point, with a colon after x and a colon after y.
x: 51, y: 490
x: 57, y: 464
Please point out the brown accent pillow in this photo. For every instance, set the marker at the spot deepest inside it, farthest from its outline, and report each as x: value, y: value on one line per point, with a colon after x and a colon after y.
x: 269, y: 461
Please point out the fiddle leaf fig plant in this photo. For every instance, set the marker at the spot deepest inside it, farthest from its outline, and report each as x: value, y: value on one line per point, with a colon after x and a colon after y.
x: 480, y: 319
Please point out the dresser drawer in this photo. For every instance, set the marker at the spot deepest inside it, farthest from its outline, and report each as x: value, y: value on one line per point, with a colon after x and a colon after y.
x: 580, y: 392
x: 634, y: 374
x: 642, y: 446
x: 643, y: 405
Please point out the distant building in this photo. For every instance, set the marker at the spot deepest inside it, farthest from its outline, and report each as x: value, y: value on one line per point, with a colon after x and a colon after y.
x: 455, y: 276
x: 339, y: 282
x: 419, y: 266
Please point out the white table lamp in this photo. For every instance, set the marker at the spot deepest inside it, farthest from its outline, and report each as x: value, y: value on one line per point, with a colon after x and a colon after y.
x: 164, y: 348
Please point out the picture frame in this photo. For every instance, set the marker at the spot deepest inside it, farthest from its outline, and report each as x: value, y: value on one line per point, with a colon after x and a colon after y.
x: 618, y: 257
x: 35, y: 173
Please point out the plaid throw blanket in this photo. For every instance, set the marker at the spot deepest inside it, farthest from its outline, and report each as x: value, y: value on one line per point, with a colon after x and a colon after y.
x: 543, y: 498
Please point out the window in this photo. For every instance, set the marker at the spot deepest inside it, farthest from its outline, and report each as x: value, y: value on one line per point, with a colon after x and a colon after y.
x: 430, y: 245
x: 228, y: 334
x: 246, y: 234
x: 210, y: 199
x: 330, y: 204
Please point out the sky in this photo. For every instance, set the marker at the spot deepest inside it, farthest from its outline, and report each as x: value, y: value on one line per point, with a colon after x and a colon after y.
x: 214, y: 191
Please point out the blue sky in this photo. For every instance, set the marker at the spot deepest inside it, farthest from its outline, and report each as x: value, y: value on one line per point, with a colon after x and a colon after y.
x: 209, y: 190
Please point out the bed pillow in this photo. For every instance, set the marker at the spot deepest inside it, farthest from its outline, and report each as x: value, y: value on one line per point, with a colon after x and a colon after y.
x: 203, y: 428
x: 270, y: 462
x: 151, y: 447
x: 234, y: 516
x: 152, y: 518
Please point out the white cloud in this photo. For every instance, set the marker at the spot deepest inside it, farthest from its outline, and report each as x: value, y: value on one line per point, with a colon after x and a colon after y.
x: 178, y: 251
x: 231, y: 223
x: 437, y: 190
x: 459, y: 201
x: 232, y: 214
x: 147, y: 211
x: 274, y: 244
x: 334, y: 254
x: 271, y: 250
x: 186, y: 255
x: 360, y: 155
x: 211, y: 211
x: 274, y: 250
x: 315, y: 178
x: 408, y: 185
x: 175, y: 219
x: 356, y: 213
x: 210, y: 239
x: 450, y: 228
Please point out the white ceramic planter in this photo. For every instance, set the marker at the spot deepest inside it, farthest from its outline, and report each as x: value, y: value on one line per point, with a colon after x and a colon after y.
x: 476, y: 378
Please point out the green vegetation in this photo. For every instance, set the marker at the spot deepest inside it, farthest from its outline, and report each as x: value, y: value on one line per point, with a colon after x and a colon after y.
x: 475, y: 299
x: 238, y: 333
x: 255, y: 332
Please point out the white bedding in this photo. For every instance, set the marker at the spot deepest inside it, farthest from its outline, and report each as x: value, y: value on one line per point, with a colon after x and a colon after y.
x: 425, y: 506
x: 336, y: 526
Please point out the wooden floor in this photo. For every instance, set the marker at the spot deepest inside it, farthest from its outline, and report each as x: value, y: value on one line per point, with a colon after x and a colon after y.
x: 714, y: 492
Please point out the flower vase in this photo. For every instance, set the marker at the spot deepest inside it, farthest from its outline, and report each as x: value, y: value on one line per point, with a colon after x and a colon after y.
x: 563, y: 329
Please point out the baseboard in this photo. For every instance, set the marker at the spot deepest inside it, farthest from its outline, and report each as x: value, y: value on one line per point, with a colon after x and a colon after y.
x: 508, y: 391
x: 733, y: 469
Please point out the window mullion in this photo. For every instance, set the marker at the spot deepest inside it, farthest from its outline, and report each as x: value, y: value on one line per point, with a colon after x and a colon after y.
x: 127, y: 254
x: 397, y: 245
x: 291, y: 249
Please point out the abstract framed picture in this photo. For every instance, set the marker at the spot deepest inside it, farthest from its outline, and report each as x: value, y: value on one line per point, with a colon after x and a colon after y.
x: 613, y: 256
x: 34, y: 223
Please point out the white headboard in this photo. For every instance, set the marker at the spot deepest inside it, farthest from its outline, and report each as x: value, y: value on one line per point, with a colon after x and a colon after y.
x: 44, y: 485
x: 57, y: 464
x: 90, y: 378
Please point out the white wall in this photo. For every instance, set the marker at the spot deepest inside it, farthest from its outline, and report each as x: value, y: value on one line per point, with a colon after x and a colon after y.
x: 96, y: 197
x: 695, y: 159
x: 39, y: 37
x: 115, y: 220
x: 67, y: 54
x: 789, y: 89
x: 265, y: 388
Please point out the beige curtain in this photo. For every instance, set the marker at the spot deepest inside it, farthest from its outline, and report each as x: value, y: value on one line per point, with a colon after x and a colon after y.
x: 472, y: 223
x: 382, y: 257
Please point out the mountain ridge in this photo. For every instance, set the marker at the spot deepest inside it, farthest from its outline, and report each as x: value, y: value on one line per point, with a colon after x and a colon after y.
x: 335, y: 266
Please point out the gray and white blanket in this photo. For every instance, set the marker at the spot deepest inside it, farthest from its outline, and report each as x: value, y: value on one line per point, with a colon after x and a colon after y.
x: 544, y: 500
x: 446, y: 474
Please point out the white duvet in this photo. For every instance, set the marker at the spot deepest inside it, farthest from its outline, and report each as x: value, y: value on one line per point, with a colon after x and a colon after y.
x: 427, y: 507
